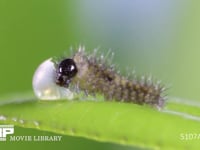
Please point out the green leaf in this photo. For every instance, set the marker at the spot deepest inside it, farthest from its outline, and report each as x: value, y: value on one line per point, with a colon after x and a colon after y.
x: 121, y: 123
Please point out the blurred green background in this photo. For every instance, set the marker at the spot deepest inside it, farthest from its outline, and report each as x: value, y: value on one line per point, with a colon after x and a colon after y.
x: 155, y: 37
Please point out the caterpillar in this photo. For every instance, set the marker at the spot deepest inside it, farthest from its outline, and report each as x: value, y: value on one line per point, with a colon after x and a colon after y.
x: 60, y: 78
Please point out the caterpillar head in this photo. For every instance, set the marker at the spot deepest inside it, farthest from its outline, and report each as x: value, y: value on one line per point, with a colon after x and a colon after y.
x: 71, y: 69
x: 65, y: 72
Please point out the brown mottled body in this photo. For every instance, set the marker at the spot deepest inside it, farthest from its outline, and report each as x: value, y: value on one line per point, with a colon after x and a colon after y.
x: 95, y: 76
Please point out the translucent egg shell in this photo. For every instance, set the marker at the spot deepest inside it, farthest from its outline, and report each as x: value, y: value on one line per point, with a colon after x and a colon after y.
x: 44, y: 85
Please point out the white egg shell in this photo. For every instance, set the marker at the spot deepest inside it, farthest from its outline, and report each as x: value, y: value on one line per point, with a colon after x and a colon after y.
x: 44, y: 85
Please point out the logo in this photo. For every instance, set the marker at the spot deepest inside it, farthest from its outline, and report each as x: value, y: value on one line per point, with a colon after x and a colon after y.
x: 5, y: 130
x: 9, y: 129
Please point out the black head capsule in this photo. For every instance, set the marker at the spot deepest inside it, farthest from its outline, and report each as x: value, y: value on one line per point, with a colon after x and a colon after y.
x: 65, y: 72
